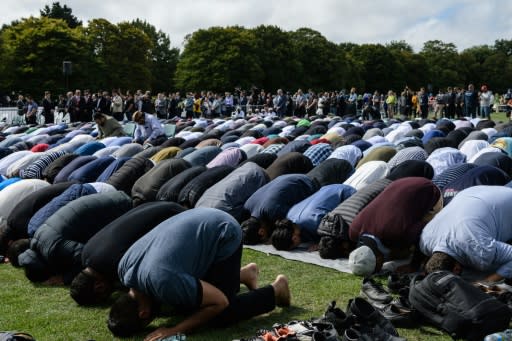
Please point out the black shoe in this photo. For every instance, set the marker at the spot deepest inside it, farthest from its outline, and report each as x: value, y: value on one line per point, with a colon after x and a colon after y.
x: 396, y: 282
x: 337, y: 317
x: 402, y: 318
x: 353, y: 334
x: 367, y: 315
x: 374, y: 292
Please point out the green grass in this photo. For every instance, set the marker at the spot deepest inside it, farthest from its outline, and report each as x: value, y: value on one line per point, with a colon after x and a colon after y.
x: 48, y: 313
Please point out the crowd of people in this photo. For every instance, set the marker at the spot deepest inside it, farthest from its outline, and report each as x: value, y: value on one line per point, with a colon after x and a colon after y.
x: 451, y: 102
x: 164, y: 218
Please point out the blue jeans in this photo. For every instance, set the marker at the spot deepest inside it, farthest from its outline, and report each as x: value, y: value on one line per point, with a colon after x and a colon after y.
x: 485, y: 112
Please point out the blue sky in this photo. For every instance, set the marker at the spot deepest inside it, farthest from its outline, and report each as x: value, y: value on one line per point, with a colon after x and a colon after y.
x: 465, y: 23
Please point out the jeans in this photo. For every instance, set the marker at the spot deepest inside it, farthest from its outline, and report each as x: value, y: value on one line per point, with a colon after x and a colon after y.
x: 485, y: 112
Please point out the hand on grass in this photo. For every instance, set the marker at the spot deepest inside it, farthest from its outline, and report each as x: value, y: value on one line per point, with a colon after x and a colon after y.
x: 160, y: 333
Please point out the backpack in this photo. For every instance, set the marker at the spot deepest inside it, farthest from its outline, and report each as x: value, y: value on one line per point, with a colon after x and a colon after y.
x: 458, y: 307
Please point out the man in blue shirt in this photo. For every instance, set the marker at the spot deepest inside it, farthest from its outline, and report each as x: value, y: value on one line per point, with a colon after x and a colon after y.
x: 192, y: 262
x: 473, y: 232
x: 148, y: 130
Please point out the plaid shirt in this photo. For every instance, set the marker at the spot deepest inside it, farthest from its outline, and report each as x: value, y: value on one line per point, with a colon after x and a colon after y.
x: 318, y: 153
x: 273, y: 148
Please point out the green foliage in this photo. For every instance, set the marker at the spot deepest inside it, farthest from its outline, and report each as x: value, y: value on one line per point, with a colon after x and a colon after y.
x: 135, y: 55
x: 33, y: 51
x: 163, y: 58
x: 56, y: 11
x: 219, y: 58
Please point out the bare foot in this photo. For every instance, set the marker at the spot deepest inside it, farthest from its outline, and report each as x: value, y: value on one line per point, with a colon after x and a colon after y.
x: 249, y: 276
x: 282, y: 291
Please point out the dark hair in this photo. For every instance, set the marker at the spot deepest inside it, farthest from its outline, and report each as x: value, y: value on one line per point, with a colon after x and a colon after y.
x: 440, y: 261
x: 282, y: 236
x: 250, y: 229
x: 123, y: 319
x: 4, y: 240
x: 82, y: 289
x: 16, y: 249
x: 97, y: 116
x: 330, y: 247
x: 37, y: 273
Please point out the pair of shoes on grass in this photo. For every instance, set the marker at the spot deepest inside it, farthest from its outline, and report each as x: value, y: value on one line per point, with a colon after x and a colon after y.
x: 397, y: 310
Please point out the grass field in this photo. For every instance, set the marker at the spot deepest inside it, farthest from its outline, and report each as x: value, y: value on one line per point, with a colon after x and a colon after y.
x: 48, y: 313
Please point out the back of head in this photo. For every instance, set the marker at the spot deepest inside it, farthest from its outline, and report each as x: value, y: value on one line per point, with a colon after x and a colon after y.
x: 82, y: 289
x: 330, y: 248
x: 4, y: 239
x: 123, y: 319
x: 250, y: 229
x: 282, y: 236
x: 440, y: 261
x: 15, y: 249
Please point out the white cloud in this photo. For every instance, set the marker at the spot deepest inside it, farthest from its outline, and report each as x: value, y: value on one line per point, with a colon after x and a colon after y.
x: 463, y: 22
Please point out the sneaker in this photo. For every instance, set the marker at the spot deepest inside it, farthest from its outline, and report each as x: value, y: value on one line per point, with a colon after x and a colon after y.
x: 374, y: 292
x: 367, y: 315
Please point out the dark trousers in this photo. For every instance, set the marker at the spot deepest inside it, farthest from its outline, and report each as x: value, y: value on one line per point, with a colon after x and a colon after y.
x: 225, y: 276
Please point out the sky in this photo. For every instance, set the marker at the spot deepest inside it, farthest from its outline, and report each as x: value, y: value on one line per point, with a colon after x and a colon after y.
x: 465, y: 23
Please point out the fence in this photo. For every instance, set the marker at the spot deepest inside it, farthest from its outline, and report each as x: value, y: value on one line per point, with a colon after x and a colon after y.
x: 10, y: 116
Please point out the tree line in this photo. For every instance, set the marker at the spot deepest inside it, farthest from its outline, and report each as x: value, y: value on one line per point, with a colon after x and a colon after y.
x: 135, y: 55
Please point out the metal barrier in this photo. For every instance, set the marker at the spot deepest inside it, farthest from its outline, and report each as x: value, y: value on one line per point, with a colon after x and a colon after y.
x: 10, y: 115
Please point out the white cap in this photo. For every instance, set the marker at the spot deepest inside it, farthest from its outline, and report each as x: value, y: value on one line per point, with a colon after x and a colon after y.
x: 362, y: 261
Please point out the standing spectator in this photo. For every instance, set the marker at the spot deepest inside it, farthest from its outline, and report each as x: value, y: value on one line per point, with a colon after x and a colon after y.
x: 61, y: 103
x: 146, y: 104
x: 21, y: 104
x: 470, y: 101
x: 450, y: 103
x: 459, y: 101
x: 216, y: 106
x: 89, y: 106
x: 103, y: 103
x: 197, y: 105
x: 129, y: 105
x: 281, y: 103
x: 117, y: 105
x: 312, y: 104
x: 351, y: 102
x: 391, y: 103
x: 189, y: 105
x: 423, y: 102
x: 228, y: 104
x: 300, y: 104
x: 48, y: 108
x: 161, y: 106
x: 31, y: 115
x: 440, y: 104
x: 173, y: 105
x: 77, y: 106
x: 485, y: 102
x: 410, y: 105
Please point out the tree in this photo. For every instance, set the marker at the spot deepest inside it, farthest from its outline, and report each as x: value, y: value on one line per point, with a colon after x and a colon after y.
x: 33, y: 51
x: 219, y: 58
x: 323, y: 68
x: 277, y: 58
x: 163, y: 58
x: 121, y: 55
x: 380, y: 70
x: 504, y: 46
x: 399, y: 46
x: 61, y: 12
x: 443, y: 64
